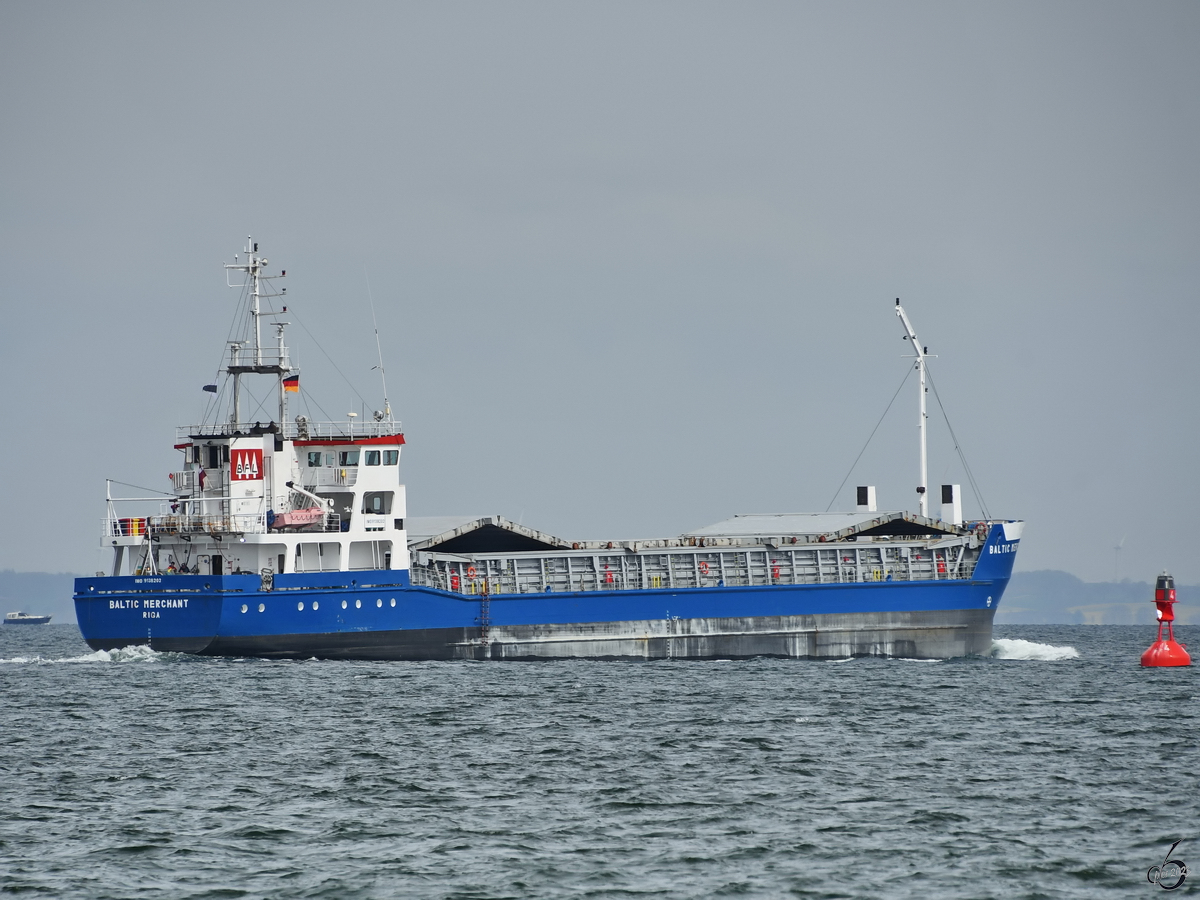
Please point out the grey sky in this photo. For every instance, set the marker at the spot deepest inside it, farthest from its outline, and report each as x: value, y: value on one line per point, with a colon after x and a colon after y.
x: 634, y: 263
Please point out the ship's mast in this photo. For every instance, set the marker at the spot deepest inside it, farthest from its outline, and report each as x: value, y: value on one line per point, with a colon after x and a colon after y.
x: 922, y: 353
x: 284, y: 369
x: 235, y: 349
x: 259, y: 365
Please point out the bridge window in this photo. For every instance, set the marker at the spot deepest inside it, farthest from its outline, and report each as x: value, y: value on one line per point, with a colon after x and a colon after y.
x: 372, y: 457
x: 377, y: 503
x: 391, y: 457
x: 314, y: 458
x: 348, y: 458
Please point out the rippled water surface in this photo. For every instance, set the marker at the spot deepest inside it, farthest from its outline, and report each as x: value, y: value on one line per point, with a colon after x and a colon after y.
x: 1062, y: 771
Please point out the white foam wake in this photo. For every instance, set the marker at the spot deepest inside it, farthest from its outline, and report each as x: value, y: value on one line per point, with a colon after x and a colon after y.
x: 136, y: 653
x: 1014, y: 648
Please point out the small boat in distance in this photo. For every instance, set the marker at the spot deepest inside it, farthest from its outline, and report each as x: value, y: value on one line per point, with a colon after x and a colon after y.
x: 20, y: 618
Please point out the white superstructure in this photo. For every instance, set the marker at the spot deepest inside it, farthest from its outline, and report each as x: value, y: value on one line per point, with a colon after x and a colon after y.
x: 268, y: 498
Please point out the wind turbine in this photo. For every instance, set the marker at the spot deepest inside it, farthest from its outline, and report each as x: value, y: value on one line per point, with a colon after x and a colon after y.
x: 1117, y: 558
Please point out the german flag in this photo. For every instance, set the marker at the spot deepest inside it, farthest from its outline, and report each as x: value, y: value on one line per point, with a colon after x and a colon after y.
x: 291, y: 384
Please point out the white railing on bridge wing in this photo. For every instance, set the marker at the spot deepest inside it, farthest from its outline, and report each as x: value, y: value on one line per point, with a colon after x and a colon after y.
x: 188, y: 481
x: 293, y: 430
x: 185, y: 482
x: 173, y: 523
x: 321, y: 477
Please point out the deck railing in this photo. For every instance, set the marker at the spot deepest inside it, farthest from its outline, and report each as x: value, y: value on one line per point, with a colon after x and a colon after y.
x: 321, y: 477
x: 188, y: 481
x: 174, y: 523
x: 294, y: 430
x: 580, y: 572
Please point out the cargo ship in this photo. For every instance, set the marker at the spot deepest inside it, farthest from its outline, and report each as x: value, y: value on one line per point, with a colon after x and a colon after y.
x: 290, y: 539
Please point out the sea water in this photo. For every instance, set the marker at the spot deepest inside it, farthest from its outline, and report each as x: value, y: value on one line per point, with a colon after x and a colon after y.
x: 1055, y: 767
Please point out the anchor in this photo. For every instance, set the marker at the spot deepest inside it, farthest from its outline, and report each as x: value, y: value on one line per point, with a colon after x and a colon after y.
x: 1165, y: 651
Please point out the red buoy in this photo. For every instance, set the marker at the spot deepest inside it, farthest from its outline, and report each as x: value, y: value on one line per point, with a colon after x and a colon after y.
x: 1165, y: 651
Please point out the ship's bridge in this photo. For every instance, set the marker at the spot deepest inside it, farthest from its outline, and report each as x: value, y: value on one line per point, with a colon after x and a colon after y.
x: 244, y: 479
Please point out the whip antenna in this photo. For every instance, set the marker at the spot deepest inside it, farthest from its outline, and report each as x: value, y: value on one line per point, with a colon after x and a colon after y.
x: 387, y: 406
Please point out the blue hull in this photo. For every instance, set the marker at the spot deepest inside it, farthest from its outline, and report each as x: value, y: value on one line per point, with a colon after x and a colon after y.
x: 380, y: 615
x: 398, y: 621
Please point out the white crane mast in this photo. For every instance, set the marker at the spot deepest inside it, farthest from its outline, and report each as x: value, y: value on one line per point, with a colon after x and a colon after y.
x: 922, y: 352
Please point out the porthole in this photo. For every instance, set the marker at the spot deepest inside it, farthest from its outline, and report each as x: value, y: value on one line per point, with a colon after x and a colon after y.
x: 262, y: 607
x: 393, y: 601
x: 358, y: 604
x: 378, y: 603
x: 343, y: 604
x: 245, y: 607
x: 300, y: 605
x: 316, y: 605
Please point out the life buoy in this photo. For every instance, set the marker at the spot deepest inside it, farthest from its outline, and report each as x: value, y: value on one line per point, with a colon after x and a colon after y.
x: 470, y: 571
x: 982, y: 529
x: 703, y: 568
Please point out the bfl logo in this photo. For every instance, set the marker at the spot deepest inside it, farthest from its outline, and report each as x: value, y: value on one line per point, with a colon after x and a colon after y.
x: 247, y: 465
x: 1171, y: 873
